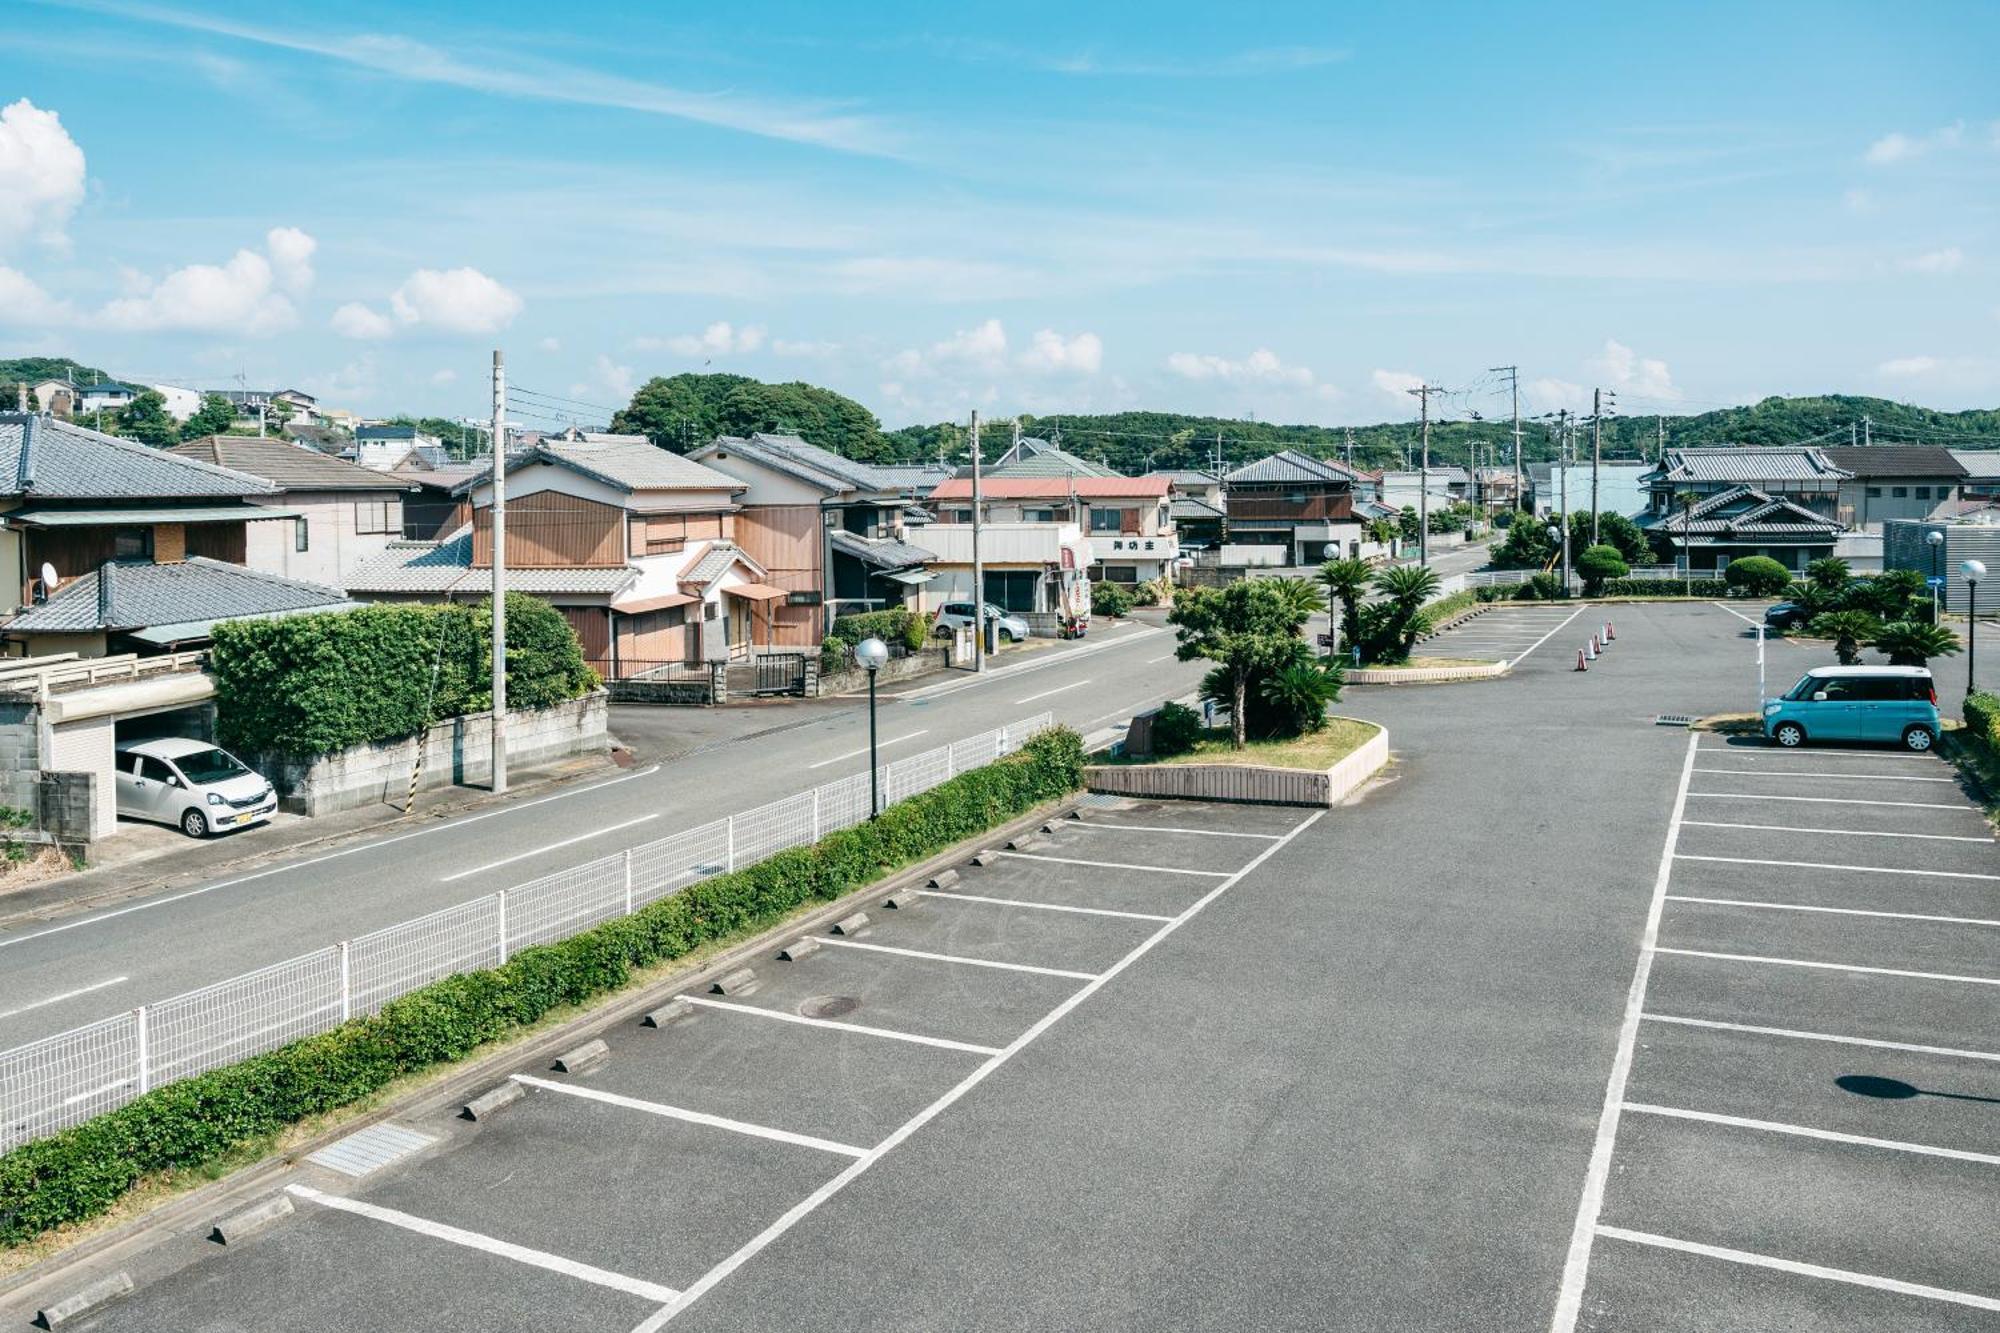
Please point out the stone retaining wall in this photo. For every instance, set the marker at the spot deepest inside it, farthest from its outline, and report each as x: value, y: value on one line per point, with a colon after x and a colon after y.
x: 1256, y: 784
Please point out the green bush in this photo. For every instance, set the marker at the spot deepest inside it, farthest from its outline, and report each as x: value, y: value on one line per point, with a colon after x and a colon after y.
x: 1176, y: 728
x: 1542, y: 588
x: 833, y: 654
x: 1663, y: 588
x: 1599, y: 565
x: 891, y: 626
x: 1295, y: 698
x: 1147, y: 593
x: 1982, y: 713
x: 1110, y: 599
x: 1757, y: 576
x: 313, y: 684
x: 1444, y: 608
x: 80, y: 1172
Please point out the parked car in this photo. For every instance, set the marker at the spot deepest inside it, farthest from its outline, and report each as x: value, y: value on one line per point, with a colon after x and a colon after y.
x: 1785, y: 615
x: 954, y: 616
x: 192, y: 784
x: 1857, y: 703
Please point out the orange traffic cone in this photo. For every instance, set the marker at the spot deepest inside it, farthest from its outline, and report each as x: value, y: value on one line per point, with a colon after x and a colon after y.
x: 1609, y: 632
x: 1579, y: 661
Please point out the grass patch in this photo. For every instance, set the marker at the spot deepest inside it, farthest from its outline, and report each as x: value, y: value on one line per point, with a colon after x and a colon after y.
x: 1340, y: 737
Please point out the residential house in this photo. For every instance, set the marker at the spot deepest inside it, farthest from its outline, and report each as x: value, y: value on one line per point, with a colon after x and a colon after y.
x: 116, y: 547
x: 1195, y: 504
x: 55, y: 397
x: 1981, y: 483
x: 635, y: 546
x: 1800, y: 474
x: 1029, y: 456
x: 1126, y: 524
x: 1302, y: 505
x: 386, y: 447
x: 1622, y: 486
x: 1742, y: 521
x: 830, y: 531
x: 1446, y: 485
x: 105, y: 396
x: 1895, y: 481
x: 346, y: 515
x: 439, y: 501
x: 181, y: 403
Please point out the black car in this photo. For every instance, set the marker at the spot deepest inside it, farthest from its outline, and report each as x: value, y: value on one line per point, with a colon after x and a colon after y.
x: 1785, y: 615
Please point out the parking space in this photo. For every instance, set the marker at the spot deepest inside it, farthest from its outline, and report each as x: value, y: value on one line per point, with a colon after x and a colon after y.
x: 1509, y: 633
x: 1801, y: 1132
x: 614, y: 1194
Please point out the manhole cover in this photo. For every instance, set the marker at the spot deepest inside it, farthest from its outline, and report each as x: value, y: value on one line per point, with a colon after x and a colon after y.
x: 829, y: 1006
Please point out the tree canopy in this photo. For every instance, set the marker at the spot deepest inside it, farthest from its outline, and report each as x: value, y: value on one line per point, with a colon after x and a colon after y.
x: 682, y: 412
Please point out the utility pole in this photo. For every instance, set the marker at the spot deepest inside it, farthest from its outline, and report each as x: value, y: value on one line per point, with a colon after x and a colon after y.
x: 1514, y: 383
x: 499, y: 511
x: 1867, y: 430
x: 1853, y: 433
x: 1350, y: 446
x: 978, y: 569
x: 1422, y: 393
x: 1564, y: 428
x: 1597, y: 449
x: 1660, y: 436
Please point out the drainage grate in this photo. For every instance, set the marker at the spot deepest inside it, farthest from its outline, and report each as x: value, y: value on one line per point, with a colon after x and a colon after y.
x: 829, y: 1006
x: 371, y: 1149
x: 1673, y: 720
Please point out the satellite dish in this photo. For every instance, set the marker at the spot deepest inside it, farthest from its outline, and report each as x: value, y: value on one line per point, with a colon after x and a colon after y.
x: 49, y: 579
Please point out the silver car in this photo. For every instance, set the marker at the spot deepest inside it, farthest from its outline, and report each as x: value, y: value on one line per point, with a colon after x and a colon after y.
x: 192, y: 784
x: 954, y: 616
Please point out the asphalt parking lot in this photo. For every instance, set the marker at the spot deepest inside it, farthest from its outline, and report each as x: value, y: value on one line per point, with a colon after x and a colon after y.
x: 1809, y: 1135
x: 1528, y: 634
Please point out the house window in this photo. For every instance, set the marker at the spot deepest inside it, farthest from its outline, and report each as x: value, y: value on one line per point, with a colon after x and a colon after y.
x: 1923, y: 492
x: 132, y: 544
x: 1039, y: 515
x: 1874, y: 492
x: 676, y: 616
x: 1899, y: 492
x: 301, y: 537
x: 1106, y: 520
x: 373, y: 516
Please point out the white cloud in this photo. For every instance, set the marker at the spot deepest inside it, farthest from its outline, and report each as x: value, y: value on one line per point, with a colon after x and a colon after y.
x: 41, y: 176
x: 790, y: 347
x: 1627, y: 371
x: 1947, y: 260
x: 445, y: 376
x: 1549, y: 393
x: 1899, y: 147
x: 611, y: 377
x: 551, y: 344
x: 1262, y: 366
x: 719, y: 339
x: 291, y: 252
x: 458, y: 300
x: 1050, y: 352
x: 355, y: 320
x: 243, y: 295
x: 982, y: 348
x: 1396, y: 383
x: 1908, y: 367
x: 1858, y: 201
x: 24, y: 304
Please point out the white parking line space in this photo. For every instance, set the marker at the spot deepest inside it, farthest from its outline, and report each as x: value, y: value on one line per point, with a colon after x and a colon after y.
x: 1841, y: 911
x: 1114, y: 865
x: 1801, y: 1269
x: 1162, y: 828
x: 960, y: 959
x: 1041, y: 907
x: 691, y: 1117
x: 1796, y: 1034
x: 1841, y: 832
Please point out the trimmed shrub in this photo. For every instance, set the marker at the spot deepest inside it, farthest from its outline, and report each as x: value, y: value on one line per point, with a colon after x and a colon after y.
x: 1176, y: 728
x: 1663, y: 588
x: 313, y: 684
x: 1110, y: 599
x: 1757, y: 576
x: 1599, y: 565
x: 1542, y: 588
x: 892, y: 626
x: 1982, y: 713
x: 833, y: 654
x: 79, y: 1173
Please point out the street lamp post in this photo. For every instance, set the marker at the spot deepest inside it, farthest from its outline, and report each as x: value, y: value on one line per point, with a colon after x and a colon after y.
x: 871, y: 653
x: 1973, y: 571
x: 1935, y: 540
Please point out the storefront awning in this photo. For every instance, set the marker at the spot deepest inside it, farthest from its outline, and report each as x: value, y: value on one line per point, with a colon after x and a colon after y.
x: 756, y: 592
x: 912, y: 577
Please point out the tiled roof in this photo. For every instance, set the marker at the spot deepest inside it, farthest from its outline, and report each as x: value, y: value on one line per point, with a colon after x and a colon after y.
x: 290, y: 467
x: 1053, y: 488
x: 1191, y: 476
x: 1791, y: 462
x: 46, y: 458
x: 822, y: 467
x: 1983, y: 464
x: 715, y: 561
x: 626, y: 466
x: 1052, y: 462
x: 882, y: 552
x: 131, y: 596
x: 446, y: 567
x: 1740, y: 511
x: 1186, y: 507
x: 1895, y: 460
x: 912, y: 476
x: 1289, y: 465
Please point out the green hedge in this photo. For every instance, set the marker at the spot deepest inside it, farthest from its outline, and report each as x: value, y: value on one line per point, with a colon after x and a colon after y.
x: 888, y: 626
x: 1665, y: 588
x: 1444, y: 608
x: 314, y: 684
x: 79, y: 1173
x: 1982, y: 711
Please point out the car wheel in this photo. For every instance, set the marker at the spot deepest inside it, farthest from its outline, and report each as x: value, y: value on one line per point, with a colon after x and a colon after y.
x: 1790, y: 735
x: 1918, y: 739
x: 1007, y: 636
x: 195, y: 824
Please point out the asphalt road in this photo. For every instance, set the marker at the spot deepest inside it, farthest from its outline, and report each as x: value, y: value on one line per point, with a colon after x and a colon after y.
x: 61, y: 974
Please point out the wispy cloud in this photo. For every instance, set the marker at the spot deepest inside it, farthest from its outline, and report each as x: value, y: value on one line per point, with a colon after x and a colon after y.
x: 1223, y: 65
x: 505, y: 74
x: 1900, y: 147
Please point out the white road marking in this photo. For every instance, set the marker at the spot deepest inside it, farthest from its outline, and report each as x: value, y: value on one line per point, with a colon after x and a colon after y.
x: 1576, y: 1266
x: 1073, y: 685
x: 1546, y: 637
x: 1862, y: 777
x: 1095, y: 822
x: 1045, y: 907
x: 1837, y: 911
x: 472, y: 1240
x: 1802, y: 1270
x: 1827, y: 800
x: 880, y: 745
x: 1808, y: 1132
x: 915, y: 1039
x: 1842, y: 832
x: 547, y: 847
x: 1155, y: 661
x: 151, y: 903
x: 692, y: 1117
x: 1115, y: 865
x: 958, y: 958
x: 66, y: 995
x: 805, y: 1207
x: 1829, y: 865
x: 1815, y: 752
x: 1797, y: 1035
x: 1830, y: 967
x: 1023, y: 668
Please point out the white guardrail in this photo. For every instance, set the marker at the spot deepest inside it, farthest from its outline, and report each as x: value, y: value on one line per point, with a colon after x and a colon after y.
x: 66, y: 1079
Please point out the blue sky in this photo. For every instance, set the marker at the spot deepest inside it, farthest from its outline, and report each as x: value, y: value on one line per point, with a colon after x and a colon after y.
x: 1286, y: 210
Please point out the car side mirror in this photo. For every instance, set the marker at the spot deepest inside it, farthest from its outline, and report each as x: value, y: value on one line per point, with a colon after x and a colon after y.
x: 1820, y: 697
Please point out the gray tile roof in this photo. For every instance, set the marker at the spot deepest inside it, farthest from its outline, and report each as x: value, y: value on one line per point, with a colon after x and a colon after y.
x: 911, y: 477
x: 1187, y: 507
x: 1289, y: 465
x: 1741, y: 512
x: 627, y: 466
x: 45, y: 458
x: 1981, y: 464
x: 715, y: 561
x: 790, y: 454
x: 290, y: 467
x: 122, y: 596
x: 882, y: 552
x: 1895, y: 460
x: 446, y: 567
x: 1052, y: 462
x: 1745, y: 463
x: 1191, y: 476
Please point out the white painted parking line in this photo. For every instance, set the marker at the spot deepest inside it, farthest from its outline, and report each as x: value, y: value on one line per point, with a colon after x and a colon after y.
x: 66, y: 995
x: 1831, y: 865
x: 1797, y: 1035
x: 1095, y: 822
x: 957, y: 958
x: 1802, y: 1270
x: 1842, y: 832
x: 692, y: 1117
x: 1827, y: 800
x: 1836, y: 911
x: 1776, y: 752
x: 1546, y: 637
x: 472, y: 1240
x: 1576, y: 1265
x: 1073, y: 685
x: 1045, y: 907
x: 547, y: 847
x: 1830, y: 967
x: 914, y: 1038
x: 1809, y: 1132
x: 856, y: 754
x: 1857, y: 777
x: 1115, y: 865
x: 811, y: 1203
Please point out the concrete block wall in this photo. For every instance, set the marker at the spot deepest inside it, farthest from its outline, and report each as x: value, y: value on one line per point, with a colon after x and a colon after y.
x: 67, y: 806
x: 20, y: 752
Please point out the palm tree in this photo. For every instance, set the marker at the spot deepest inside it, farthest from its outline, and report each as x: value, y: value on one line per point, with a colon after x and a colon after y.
x: 1346, y: 581
x: 1407, y: 587
x: 1301, y: 599
x: 1828, y: 575
x: 1914, y: 643
x: 1848, y: 630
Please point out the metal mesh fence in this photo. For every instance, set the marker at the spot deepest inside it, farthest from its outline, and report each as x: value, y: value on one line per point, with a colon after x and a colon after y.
x: 68, y: 1078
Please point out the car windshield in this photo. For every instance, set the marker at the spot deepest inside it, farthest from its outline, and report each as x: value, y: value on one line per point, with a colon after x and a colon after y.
x: 206, y: 766
x: 1805, y: 688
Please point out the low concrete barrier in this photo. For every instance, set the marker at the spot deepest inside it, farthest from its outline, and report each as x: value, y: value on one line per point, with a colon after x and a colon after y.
x: 1252, y: 784
x: 1424, y: 675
